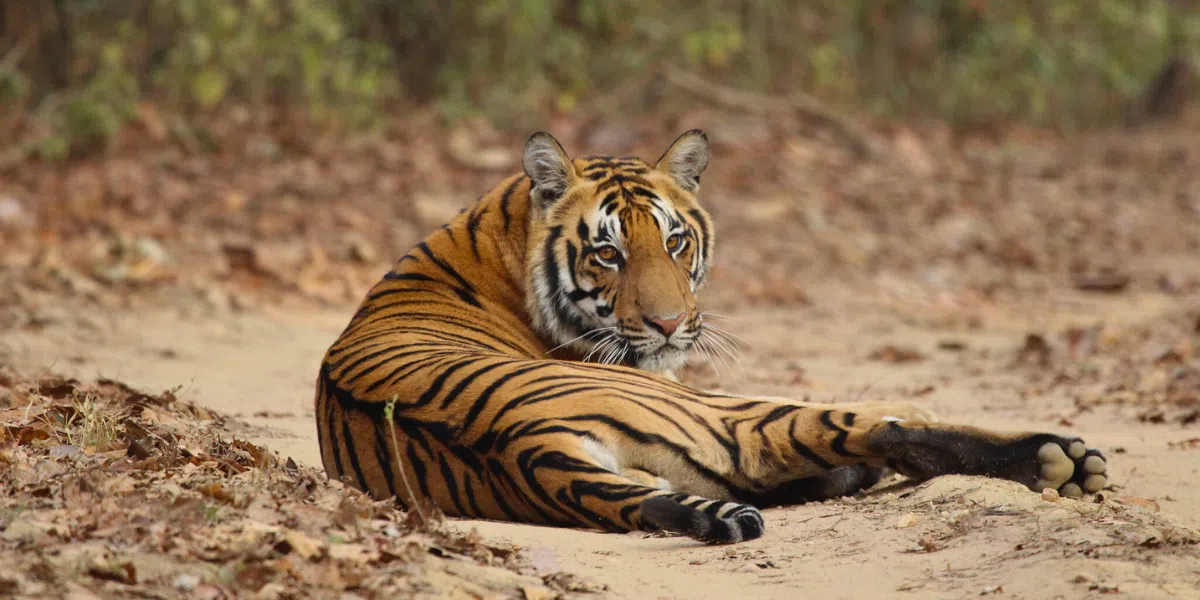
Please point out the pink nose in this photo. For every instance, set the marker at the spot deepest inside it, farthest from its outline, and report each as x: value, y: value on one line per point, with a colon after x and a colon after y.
x: 666, y: 326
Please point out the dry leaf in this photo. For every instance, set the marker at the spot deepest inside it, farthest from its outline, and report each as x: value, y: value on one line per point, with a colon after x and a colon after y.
x: 302, y: 544
x: 894, y: 354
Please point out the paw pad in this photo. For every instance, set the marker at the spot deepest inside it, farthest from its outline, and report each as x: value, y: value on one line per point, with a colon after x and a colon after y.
x: 1074, y: 471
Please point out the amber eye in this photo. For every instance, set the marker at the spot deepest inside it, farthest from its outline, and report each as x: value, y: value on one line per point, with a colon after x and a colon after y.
x: 606, y: 254
x: 674, y: 242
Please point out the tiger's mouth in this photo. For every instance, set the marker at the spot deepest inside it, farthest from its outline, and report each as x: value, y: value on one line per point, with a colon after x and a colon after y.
x: 641, y: 351
x: 649, y: 351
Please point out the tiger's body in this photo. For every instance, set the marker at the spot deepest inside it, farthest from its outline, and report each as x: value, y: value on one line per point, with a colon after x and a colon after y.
x: 480, y: 332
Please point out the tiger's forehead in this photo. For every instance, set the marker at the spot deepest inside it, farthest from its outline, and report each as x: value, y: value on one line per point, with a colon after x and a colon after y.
x: 603, y: 168
x: 627, y: 200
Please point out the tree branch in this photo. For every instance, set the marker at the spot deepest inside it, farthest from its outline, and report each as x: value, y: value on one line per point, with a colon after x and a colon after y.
x: 849, y: 132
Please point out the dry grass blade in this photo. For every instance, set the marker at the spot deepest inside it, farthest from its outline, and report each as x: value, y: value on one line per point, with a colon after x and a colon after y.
x: 388, y: 412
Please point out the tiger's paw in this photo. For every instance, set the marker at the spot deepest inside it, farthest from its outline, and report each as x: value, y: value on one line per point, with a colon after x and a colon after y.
x: 1069, y: 467
x: 710, y: 521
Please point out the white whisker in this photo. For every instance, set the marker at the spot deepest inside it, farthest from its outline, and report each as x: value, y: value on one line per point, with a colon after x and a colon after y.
x: 613, y: 352
x: 576, y: 339
x: 702, y: 346
x: 722, y: 339
x: 725, y: 352
x: 609, y: 343
x: 599, y: 346
x: 724, y: 344
x: 727, y: 334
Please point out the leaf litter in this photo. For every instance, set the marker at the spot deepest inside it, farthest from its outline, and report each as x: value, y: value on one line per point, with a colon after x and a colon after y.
x: 111, y: 492
x: 1148, y: 370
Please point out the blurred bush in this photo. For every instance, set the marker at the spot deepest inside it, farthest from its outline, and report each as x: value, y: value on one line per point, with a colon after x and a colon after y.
x: 1066, y: 64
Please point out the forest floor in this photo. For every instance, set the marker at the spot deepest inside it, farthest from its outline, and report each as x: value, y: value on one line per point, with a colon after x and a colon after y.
x: 1022, y: 282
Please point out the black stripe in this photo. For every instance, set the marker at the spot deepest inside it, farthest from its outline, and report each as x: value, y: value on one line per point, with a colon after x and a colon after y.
x: 381, y: 457
x: 467, y: 380
x: 402, y: 370
x: 473, y: 221
x: 808, y: 454
x: 499, y: 496
x: 418, y: 467
x: 432, y: 391
x: 465, y: 290
x: 393, y: 276
x: 642, y: 438
x: 518, y: 493
x: 470, y: 490
x: 352, y: 455
x: 838, y: 445
x: 506, y: 198
x: 486, y: 395
x: 528, y: 470
x: 451, y: 484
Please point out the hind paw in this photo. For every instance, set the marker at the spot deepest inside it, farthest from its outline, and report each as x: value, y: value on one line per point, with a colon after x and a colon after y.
x: 1069, y: 467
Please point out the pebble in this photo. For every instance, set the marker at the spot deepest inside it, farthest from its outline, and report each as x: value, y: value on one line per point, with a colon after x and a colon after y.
x: 186, y: 582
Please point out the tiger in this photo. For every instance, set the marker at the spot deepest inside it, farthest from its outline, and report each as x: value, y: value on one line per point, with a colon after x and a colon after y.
x: 520, y: 364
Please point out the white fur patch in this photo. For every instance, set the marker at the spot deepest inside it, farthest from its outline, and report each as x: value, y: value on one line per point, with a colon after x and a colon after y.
x: 601, y: 454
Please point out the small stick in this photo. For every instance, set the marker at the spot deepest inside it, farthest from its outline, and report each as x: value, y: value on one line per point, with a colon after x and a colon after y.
x: 387, y: 414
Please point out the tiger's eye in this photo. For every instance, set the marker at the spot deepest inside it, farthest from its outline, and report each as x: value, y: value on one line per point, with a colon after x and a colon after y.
x: 674, y: 241
x: 606, y: 253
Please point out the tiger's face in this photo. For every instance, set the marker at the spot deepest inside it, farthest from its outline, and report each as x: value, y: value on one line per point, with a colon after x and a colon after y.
x: 618, y: 249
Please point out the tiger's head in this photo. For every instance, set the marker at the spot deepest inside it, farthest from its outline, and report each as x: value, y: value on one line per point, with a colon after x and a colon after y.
x: 617, y: 250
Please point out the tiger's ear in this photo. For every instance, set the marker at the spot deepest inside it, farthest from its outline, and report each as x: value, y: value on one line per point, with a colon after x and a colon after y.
x: 549, y: 167
x: 686, y: 159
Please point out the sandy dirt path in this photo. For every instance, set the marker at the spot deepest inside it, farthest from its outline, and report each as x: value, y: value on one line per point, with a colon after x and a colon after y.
x: 950, y: 538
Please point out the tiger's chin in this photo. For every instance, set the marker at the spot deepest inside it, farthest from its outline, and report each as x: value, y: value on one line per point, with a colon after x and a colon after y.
x: 665, y: 361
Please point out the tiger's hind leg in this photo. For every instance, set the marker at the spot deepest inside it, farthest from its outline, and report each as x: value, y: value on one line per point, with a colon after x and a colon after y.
x: 571, y: 481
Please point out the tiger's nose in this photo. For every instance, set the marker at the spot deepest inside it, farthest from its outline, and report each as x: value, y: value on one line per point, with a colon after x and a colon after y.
x: 666, y: 326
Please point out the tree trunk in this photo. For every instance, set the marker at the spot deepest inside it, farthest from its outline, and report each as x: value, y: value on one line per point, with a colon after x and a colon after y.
x: 35, y: 35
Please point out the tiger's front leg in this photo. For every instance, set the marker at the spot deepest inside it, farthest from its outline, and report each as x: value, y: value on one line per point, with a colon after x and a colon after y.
x: 1037, y: 460
x: 911, y: 442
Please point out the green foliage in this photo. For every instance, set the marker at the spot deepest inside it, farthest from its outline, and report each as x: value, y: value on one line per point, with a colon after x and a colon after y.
x: 1067, y: 63
x: 90, y: 116
x: 14, y: 86
x: 1064, y: 63
x: 265, y: 52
